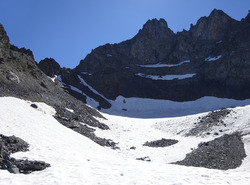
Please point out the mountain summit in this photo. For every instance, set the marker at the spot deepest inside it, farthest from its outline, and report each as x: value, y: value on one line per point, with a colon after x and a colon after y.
x: 214, y: 27
x: 210, y: 59
x: 4, y: 39
x: 156, y: 28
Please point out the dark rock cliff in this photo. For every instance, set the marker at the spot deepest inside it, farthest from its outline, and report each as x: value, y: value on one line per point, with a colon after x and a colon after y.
x: 214, y: 37
x: 212, y: 58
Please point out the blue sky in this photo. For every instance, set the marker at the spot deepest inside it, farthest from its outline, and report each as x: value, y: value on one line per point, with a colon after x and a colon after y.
x: 67, y: 30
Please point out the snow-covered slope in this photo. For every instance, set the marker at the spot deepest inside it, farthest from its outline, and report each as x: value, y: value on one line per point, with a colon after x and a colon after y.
x: 153, y: 108
x: 75, y: 159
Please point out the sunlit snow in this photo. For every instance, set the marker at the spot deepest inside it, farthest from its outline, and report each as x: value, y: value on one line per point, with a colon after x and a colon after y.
x: 75, y: 159
x: 53, y: 79
x: 156, y: 108
x: 153, y: 108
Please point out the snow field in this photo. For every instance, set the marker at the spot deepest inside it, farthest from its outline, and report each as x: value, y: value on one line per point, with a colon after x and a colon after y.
x: 75, y: 159
x: 135, y: 132
x: 155, y: 108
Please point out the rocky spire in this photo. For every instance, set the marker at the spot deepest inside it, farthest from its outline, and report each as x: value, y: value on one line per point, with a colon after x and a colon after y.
x: 218, y: 13
x: 4, y: 39
x: 49, y: 66
x: 153, y: 42
x: 247, y: 19
x: 156, y: 28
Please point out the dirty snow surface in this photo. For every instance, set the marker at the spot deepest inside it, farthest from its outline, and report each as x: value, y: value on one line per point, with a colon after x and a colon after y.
x: 75, y: 159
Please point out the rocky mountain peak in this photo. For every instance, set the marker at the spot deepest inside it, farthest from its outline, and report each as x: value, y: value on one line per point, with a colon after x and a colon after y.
x: 247, y: 19
x: 156, y: 28
x: 210, y: 59
x: 212, y: 27
x: 4, y: 39
x: 49, y: 66
x: 218, y: 17
x: 4, y: 43
x: 217, y: 13
x: 153, y: 42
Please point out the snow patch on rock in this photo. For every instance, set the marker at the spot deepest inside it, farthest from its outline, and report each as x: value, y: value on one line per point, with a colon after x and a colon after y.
x: 159, y: 65
x: 210, y: 59
x: 166, y: 77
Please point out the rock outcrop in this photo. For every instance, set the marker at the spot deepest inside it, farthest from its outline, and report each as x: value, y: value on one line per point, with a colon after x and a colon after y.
x: 13, y: 144
x: 21, y: 77
x: 50, y: 67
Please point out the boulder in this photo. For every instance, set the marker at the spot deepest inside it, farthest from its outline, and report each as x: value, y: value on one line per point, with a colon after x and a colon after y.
x: 12, y: 144
x: 161, y: 143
